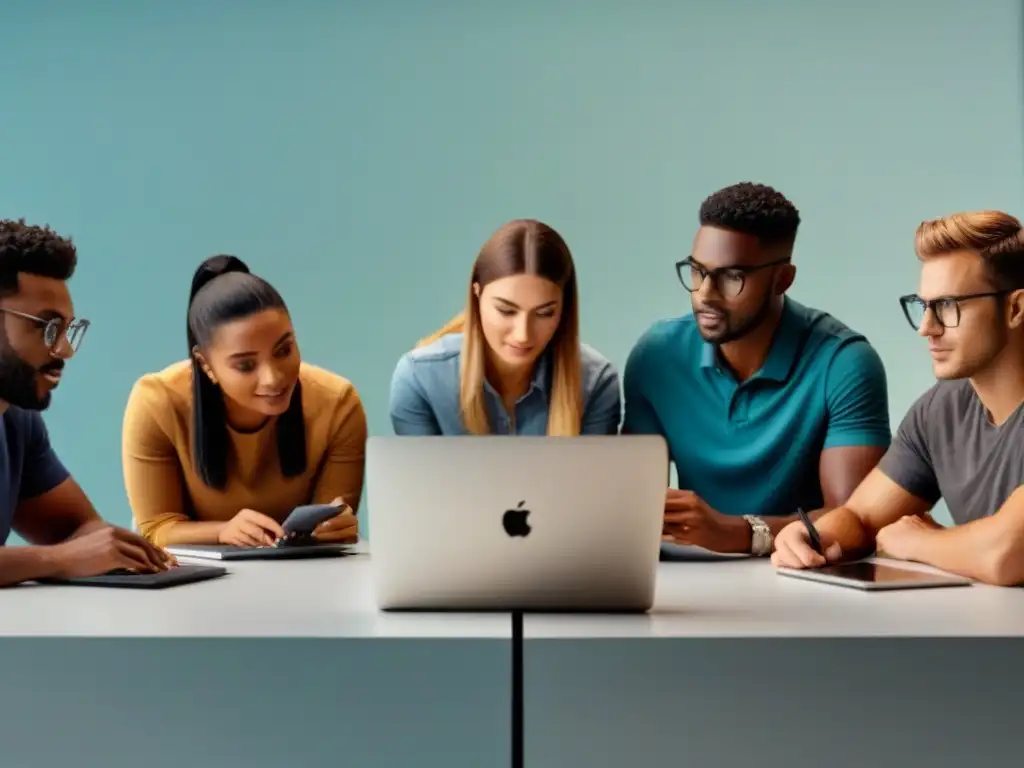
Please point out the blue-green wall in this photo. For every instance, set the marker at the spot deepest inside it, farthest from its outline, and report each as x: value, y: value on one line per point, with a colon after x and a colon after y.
x: 358, y: 153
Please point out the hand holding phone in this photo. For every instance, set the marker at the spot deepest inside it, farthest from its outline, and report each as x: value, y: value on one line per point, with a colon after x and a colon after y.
x: 343, y: 528
x: 318, y: 523
x: 305, y: 519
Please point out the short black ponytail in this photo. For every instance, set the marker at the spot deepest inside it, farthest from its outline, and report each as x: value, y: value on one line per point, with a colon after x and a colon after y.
x: 223, y: 290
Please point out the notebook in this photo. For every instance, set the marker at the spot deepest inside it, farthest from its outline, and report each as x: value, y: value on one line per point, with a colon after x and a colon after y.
x: 231, y: 552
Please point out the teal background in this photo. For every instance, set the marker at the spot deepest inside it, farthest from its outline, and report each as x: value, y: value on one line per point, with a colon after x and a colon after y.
x: 357, y: 154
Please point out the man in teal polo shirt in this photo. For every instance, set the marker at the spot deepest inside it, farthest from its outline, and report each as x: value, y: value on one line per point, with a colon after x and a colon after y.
x: 766, y: 405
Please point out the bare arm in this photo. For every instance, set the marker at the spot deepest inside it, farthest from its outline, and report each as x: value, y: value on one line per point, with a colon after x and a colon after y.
x: 849, y: 531
x: 66, y: 536
x: 45, y: 521
x: 18, y: 564
x: 57, y: 515
x: 858, y: 434
x: 903, y: 485
x: 51, y: 509
x: 876, y: 503
x: 841, y: 470
x: 990, y: 549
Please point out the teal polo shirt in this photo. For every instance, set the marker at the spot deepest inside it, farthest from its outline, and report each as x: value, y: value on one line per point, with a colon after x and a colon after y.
x: 753, y: 447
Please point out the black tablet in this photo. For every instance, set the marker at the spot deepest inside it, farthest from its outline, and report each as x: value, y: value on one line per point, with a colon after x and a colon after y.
x: 172, y: 577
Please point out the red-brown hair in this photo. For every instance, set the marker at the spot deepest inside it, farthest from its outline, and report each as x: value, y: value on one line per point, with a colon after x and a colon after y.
x: 996, y: 237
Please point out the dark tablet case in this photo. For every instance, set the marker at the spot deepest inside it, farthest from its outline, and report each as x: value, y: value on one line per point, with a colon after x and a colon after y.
x: 173, y: 577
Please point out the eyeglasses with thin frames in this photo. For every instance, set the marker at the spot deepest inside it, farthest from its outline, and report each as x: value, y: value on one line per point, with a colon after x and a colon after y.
x: 728, y: 281
x: 945, y: 309
x: 73, y: 330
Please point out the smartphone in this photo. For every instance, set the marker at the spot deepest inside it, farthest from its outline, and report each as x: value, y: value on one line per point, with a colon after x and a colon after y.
x: 303, y: 520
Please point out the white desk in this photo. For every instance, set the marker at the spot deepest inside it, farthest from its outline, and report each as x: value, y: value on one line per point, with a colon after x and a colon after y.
x: 748, y: 599
x: 289, y: 663
x: 330, y: 597
x: 738, y: 666
x: 276, y: 664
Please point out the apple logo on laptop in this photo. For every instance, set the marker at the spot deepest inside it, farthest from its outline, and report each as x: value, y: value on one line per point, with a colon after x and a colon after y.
x: 514, y: 521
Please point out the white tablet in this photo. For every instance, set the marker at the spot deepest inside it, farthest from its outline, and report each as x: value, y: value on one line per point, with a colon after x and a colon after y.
x: 875, y: 576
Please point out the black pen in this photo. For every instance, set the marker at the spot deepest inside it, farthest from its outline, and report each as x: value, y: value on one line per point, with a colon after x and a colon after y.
x: 812, y: 532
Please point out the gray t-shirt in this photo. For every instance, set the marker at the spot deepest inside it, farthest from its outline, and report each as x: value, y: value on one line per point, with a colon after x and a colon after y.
x: 946, y: 447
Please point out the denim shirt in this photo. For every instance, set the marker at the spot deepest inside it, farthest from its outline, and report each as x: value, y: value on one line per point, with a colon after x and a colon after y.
x: 425, y: 395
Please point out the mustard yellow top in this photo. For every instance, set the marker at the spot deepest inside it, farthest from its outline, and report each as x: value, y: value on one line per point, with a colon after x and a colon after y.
x: 165, y: 488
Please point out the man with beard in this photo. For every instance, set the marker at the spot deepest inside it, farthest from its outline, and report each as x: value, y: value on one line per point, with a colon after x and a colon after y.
x: 767, y: 405
x: 961, y: 440
x: 38, y: 497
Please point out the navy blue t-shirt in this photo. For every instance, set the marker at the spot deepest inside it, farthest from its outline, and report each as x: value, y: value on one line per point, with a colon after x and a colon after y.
x: 28, y: 465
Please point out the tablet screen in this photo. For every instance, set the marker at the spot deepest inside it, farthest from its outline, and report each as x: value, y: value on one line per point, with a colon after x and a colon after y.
x: 875, y: 573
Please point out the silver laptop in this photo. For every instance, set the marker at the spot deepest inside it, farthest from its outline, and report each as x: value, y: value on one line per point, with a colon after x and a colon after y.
x: 478, y: 523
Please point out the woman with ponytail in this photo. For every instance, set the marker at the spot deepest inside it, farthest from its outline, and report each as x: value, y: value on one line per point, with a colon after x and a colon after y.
x: 220, y: 447
x: 512, y: 362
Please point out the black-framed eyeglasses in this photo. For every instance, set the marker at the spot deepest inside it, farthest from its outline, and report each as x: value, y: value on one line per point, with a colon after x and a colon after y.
x: 728, y: 281
x: 73, y: 330
x: 945, y: 309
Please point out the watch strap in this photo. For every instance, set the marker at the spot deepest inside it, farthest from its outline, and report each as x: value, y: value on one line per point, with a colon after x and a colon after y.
x: 761, y: 538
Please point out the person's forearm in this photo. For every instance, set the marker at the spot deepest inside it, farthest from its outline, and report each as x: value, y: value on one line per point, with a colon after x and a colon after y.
x: 843, y: 525
x: 777, y: 522
x: 18, y: 564
x: 93, y: 524
x: 979, y: 550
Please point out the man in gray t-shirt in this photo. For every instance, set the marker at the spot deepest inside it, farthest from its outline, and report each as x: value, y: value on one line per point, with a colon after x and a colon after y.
x: 947, y: 448
x: 963, y: 440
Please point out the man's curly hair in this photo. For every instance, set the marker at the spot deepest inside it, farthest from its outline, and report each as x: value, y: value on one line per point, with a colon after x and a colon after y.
x: 33, y: 250
x: 752, y: 209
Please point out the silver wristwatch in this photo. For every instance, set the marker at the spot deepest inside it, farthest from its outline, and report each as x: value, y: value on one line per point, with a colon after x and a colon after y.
x: 760, y: 536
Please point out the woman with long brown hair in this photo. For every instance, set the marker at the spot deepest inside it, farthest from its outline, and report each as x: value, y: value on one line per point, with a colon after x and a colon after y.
x: 511, y: 362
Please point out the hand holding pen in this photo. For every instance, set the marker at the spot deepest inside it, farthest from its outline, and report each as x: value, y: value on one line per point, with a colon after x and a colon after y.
x: 812, y: 533
x: 801, y: 545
